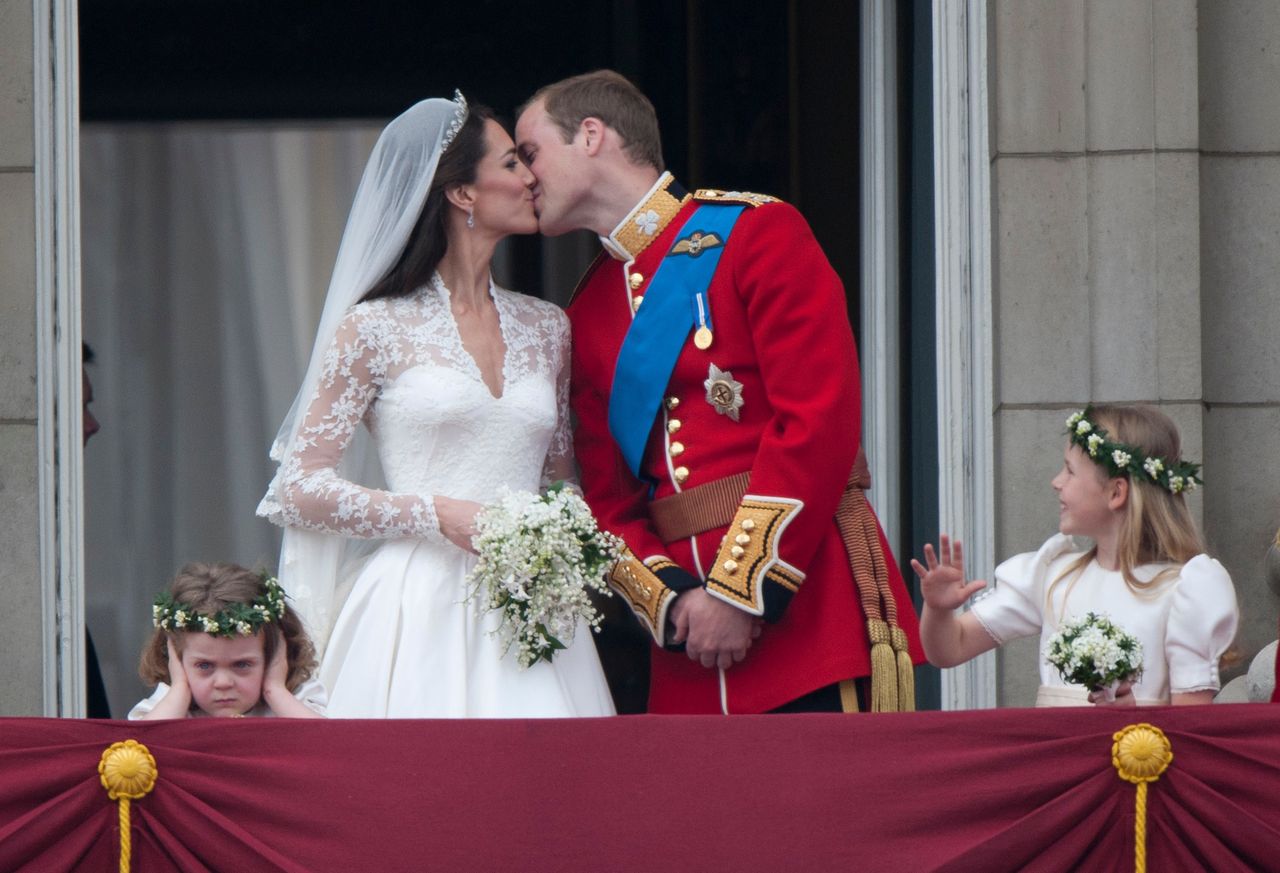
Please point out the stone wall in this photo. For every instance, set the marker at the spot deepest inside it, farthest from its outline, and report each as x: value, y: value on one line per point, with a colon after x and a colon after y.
x: 1239, y: 163
x: 1096, y: 246
x: 21, y: 648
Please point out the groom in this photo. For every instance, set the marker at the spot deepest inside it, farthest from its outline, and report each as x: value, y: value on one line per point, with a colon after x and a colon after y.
x: 715, y: 381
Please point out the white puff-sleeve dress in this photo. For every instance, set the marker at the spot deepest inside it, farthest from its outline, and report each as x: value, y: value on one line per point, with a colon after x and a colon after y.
x: 1185, y: 623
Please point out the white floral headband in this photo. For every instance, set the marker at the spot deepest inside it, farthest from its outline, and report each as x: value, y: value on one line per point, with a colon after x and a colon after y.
x: 1122, y: 459
x: 238, y: 619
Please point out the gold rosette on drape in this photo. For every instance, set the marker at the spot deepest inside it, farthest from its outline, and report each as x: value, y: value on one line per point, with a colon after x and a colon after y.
x: 128, y: 772
x: 1140, y: 753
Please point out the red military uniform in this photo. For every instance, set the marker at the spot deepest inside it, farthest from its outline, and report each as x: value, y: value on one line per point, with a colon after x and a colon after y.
x: 775, y: 394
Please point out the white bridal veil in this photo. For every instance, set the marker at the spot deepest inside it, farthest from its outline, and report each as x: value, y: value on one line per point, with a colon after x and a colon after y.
x: 387, y: 204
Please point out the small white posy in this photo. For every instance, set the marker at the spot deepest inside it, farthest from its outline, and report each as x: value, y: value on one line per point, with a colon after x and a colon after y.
x: 1094, y: 652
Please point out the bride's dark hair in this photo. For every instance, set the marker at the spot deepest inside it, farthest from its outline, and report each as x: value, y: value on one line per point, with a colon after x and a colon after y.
x: 427, y: 243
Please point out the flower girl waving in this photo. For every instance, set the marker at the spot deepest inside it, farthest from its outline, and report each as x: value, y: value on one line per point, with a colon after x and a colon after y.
x: 226, y: 646
x: 1122, y: 485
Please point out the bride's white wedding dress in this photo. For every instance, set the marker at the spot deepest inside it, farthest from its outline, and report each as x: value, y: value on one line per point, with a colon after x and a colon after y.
x: 406, y: 643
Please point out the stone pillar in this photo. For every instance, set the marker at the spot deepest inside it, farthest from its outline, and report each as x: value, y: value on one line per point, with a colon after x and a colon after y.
x: 1240, y: 271
x: 21, y: 619
x: 1095, y: 243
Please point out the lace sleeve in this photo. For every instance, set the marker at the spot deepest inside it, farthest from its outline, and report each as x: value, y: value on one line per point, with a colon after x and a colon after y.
x: 559, y: 466
x: 311, y: 493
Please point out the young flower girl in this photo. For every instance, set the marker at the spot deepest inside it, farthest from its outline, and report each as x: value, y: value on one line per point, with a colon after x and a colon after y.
x: 1122, y: 485
x: 226, y: 646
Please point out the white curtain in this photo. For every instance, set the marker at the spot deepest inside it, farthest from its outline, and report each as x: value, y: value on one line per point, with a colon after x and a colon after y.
x: 206, y: 253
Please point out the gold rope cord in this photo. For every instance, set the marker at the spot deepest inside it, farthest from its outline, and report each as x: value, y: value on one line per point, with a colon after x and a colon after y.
x: 1140, y: 753
x: 128, y: 772
x: 892, y: 673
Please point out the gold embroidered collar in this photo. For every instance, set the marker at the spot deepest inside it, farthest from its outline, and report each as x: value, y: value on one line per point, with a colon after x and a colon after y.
x: 646, y: 221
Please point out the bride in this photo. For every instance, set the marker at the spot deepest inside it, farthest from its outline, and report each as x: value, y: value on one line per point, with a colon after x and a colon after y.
x: 462, y: 387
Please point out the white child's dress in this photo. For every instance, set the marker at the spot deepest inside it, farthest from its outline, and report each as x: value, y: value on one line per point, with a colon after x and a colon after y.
x: 310, y: 692
x: 1185, y: 624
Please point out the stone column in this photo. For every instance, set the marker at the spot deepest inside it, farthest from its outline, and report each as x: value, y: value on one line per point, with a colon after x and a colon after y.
x: 1095, y: 243
x: 1240, y: 272
x: 21, y: 618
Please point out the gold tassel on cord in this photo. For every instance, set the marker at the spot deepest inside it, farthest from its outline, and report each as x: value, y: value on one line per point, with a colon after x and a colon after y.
x: 906, y: 670
x: 128, y: 772
x: 892, y: 673
x: 1140, y: 754
x: 884, y: 673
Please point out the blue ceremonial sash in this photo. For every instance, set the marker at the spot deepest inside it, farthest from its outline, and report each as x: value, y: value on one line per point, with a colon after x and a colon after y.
x: 675, y: 296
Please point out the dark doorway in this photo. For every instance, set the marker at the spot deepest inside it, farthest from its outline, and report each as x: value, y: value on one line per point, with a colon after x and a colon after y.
x: 761, y: 96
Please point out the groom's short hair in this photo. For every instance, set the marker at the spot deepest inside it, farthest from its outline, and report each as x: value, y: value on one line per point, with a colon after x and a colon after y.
x: 610, y: 97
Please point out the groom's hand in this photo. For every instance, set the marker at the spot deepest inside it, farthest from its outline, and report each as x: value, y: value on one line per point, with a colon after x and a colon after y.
x: 714, y: 633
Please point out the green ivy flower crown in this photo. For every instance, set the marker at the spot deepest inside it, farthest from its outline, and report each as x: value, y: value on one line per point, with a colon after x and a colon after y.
x: 238, y: 619
x: 1122, y: 459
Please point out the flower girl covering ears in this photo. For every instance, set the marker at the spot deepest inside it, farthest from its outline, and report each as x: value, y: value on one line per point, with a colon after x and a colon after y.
x: 226, y: 646
x: 1123, y: 486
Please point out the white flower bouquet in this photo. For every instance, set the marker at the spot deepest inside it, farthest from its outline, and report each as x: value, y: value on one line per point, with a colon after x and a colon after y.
x: 1095, y: 652
x: 540, y: 555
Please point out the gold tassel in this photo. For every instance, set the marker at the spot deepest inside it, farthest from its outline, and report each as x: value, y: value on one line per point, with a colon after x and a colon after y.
x: 884, y: 675
x: 906, y: 670
x: 1140, y: 753
x: 128, y: 772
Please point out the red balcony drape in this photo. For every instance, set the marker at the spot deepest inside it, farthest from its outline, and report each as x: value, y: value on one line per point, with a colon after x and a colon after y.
x: 1011, y: 789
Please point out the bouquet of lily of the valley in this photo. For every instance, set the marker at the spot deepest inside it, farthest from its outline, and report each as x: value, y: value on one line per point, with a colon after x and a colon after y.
x: 1095, y: 652
x: 540, y: 555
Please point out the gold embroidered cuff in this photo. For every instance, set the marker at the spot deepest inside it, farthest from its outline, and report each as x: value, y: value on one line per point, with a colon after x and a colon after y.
x: 647, y: 593
x: 748, y: 558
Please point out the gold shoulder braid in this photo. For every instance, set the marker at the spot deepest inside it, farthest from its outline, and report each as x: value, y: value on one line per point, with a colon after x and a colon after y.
x: 749, y: 198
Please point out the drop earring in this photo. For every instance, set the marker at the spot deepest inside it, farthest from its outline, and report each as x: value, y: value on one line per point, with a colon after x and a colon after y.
x: 471, y: 221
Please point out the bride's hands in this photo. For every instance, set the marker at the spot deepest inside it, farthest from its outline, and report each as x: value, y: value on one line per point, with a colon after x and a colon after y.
x: 457, y: 520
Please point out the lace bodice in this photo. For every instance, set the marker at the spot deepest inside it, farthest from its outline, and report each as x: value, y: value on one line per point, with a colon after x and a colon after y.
x: 399, y: 365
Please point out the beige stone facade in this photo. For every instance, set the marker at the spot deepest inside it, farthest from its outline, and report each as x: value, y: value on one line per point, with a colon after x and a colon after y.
x: 1136, y: 249
x: 22, y: 679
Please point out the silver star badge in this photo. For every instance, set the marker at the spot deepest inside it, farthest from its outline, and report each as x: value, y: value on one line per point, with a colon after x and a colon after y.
x: 723, y: 392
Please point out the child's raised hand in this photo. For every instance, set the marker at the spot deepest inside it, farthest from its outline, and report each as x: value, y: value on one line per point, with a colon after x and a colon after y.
x: 276, y: 694
x: 942, y: 575
x: 177, y: 700
x: 177, y: 673
x: 278, y: 670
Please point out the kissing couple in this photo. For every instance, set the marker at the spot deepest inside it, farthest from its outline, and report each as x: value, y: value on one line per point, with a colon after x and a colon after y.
x: 713, y: 381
